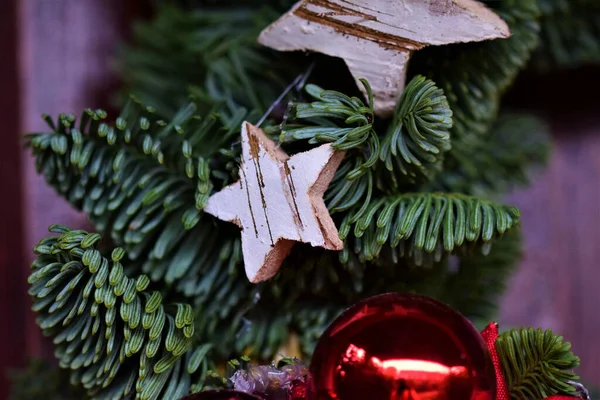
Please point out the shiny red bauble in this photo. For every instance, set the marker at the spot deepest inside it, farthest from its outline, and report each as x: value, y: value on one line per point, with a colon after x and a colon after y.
x: 401, y: 347
x: 221, y: 395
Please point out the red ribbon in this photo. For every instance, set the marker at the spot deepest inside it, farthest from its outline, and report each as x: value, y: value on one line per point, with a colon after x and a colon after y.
x: 490, y: 334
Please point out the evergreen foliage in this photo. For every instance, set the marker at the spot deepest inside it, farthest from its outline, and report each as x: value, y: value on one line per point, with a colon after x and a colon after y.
x: 536, y: 363
x: 417, y: 137
x: 474, y: 77
x: 147, y: 197
x: 411, y: 198
x: 41, y: 379
x: 144, y: 181
x: 570, y: 34
x: 475, y: 282
x: 517, y: 145
x: 421, y: 223
x: 116, y: 336
x: 211, y: 53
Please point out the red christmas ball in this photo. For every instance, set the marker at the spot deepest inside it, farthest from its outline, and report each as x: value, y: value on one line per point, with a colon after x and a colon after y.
x: 221, y: 395
x: 401, y: 347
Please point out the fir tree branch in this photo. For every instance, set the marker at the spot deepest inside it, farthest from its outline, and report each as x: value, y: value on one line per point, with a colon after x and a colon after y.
x: 469, y: 281
x: 475, y: 75
x: 312, y: 321
x: 416, y: 137
x: 474, y: 282
x: 536, y: 363
x: 570, y: 35
x: 115, y: 174
x: 134, y: 181
x: 517, y: 145
x: 117, y: 337
x: 145, y: 182
x: 424, y: 225
x: 412, y: 147
x: 39, y: 379
x: 211, y: 53
x: 419, y: 134
x: 134, y: 187
x: 330, y: 110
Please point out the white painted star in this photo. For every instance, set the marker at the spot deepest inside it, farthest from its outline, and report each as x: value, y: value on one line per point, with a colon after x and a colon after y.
x: 278, y: 201
x: 376, y: 38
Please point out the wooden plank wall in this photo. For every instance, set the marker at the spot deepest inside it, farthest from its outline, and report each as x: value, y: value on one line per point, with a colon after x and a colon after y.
x: 67, y: 47
x: 64, y: 63
x: 12, y: 269
x: 557, y: 285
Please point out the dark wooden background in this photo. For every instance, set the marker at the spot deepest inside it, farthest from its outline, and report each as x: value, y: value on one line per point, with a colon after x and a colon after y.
x: 56, y: 57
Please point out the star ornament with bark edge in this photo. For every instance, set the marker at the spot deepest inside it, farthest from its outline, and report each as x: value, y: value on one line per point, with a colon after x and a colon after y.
x: 377, y: 37
x: 278, y: 201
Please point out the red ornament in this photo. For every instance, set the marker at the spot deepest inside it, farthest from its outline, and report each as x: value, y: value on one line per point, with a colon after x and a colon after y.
x: 490, y: 334
x: 559, y: 397
x: 221, y: 395
x: 401, y: 347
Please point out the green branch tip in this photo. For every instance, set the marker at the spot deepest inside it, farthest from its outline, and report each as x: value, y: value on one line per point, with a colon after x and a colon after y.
x: 536, y: 364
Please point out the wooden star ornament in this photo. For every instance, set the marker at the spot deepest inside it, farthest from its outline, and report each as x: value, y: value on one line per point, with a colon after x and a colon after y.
x: 377, y: 37
x: 278, y: 201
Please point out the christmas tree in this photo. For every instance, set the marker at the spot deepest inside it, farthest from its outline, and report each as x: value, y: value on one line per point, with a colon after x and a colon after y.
x: 156, y: 302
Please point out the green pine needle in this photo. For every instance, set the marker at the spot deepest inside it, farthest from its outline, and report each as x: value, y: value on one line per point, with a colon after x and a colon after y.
x: 116, y: 336
x: 570, y: 35
x: 143, y: 181
x: 212, y: 53
x: 479, y: 281
x: 422, y: 224
x: 134, y: 179
x: 416, y: 138
x: 474, y: 77
x: 413, y: 145
x: 518, y: 145
x: 419, y: 134
x: 345, y: 122
x: 536, y: 363
x: 39, y: 379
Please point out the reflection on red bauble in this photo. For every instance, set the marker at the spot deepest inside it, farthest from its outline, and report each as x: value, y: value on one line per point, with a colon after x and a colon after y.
x: 401, y: 347
x: 221, y: 395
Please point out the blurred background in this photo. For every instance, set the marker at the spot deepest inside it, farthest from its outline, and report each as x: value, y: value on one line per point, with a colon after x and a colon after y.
x: 56, y: 56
